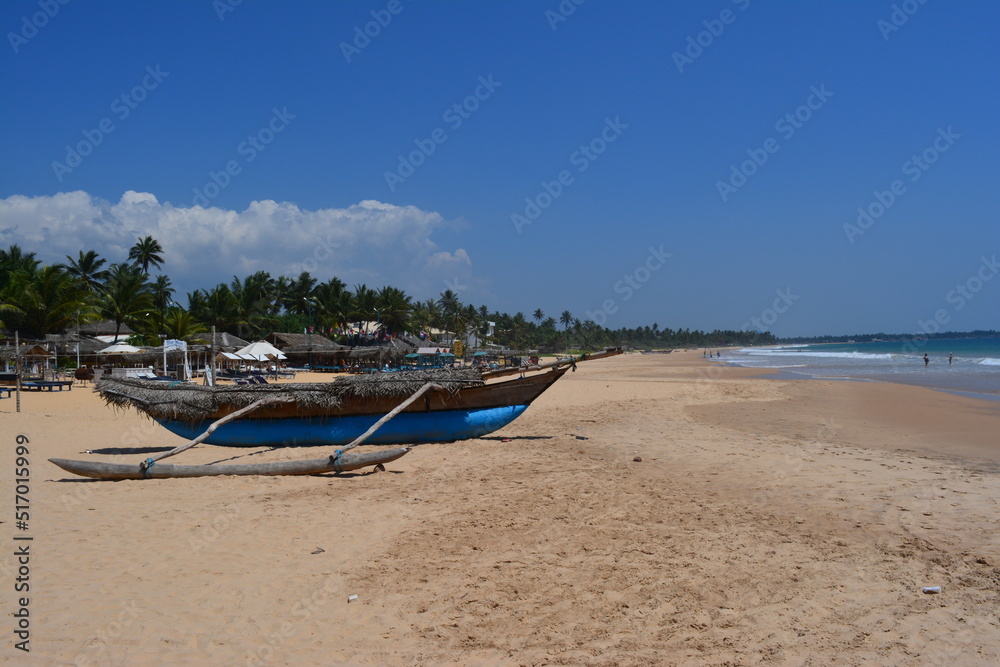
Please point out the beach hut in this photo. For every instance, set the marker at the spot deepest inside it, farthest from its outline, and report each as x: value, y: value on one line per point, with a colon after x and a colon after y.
x: 228, y: 342
x: 106, y: 331
x: 34, y: 360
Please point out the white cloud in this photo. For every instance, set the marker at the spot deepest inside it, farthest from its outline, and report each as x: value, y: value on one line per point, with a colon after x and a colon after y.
x: 370, y: 242
x: 449, y: 261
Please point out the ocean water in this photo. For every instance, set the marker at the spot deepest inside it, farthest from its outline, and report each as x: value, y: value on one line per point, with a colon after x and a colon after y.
x: 975, y: 366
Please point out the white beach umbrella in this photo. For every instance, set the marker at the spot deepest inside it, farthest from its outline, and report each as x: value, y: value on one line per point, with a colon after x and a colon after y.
x: 261, y: 350
x: 120, y: 348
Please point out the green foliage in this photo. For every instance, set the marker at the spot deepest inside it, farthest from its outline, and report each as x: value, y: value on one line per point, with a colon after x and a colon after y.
x: 145, y: 252
x: 43, y: 299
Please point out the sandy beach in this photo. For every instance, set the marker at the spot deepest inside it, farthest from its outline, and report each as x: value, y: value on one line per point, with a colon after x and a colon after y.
x: 768, y: 521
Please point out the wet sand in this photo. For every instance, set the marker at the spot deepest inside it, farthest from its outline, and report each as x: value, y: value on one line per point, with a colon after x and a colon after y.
x: 769, y: 521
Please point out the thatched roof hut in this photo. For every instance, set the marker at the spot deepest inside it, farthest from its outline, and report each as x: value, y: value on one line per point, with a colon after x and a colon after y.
x: 226, y: 342
x: 294, y: 342
x: 325, y: 351
x: 66, y: 344
x: 105, y: 328
x: 35, y: 349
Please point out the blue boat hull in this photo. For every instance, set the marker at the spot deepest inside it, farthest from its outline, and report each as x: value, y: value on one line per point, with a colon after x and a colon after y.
x: 405, y: 428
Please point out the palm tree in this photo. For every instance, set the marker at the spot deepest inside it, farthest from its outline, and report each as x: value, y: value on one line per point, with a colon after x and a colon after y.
x: 566, y: 319
x: 14, y: 260
x: 448, y: 302
x: 452, y: 318
x: 364, y: 302
x: 87, y: 269
x: 280, y: 291
x: 394, y: 307
x: 161, y: 292
x: 254, y: 297
x: 538, y: 315
x: 471, y: 317
x: 125, y: 296
x: 297, y: 292
x: 217, y: 308
x: 333, y: 304
x: 425, y: 315
x: 145, y: 252
x: 517, y: 326
x: 181, y: 325
x: 14, y: 257
x: 550, y: 337
x: 45, y: 300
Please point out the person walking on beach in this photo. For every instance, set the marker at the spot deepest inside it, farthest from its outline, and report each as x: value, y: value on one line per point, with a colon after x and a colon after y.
x: 927, y: 360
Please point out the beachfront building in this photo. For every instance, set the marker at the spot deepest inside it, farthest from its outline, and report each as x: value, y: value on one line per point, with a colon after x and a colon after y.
x: 106, y: 331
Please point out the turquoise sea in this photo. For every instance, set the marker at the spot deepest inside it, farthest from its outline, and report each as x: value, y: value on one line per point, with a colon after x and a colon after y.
x: 975, y: 365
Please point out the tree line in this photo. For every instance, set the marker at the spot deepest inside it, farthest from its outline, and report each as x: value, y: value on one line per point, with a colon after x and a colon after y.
x: 38, y: 299
x: 885, y: 337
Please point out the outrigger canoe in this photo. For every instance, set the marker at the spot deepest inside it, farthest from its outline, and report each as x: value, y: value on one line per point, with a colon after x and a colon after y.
x: 335, y: 413
x: 447, y: 405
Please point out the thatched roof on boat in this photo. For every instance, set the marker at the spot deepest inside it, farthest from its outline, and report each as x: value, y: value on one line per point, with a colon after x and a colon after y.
x: 187, y: 402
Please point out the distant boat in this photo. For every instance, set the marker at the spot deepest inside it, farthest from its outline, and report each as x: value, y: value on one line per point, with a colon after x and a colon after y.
x: 335, y: 413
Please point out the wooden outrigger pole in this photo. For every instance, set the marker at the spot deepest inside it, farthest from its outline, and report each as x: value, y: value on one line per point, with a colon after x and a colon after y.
x: 572, y: 361
x: 340, y: 461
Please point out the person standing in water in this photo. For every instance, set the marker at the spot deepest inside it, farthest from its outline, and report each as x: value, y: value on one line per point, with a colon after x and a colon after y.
x: 927, y: 360
x: 950, y: 356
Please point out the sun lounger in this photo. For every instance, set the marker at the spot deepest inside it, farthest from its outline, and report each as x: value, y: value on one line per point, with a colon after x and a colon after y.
x: 47, y: 385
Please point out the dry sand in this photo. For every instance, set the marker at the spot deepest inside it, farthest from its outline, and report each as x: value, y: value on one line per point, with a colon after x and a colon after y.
x: 769, y: 521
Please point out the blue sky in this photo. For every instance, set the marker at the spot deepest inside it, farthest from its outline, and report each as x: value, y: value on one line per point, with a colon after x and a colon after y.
x: 638, y: 107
